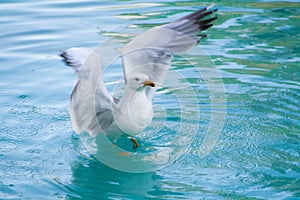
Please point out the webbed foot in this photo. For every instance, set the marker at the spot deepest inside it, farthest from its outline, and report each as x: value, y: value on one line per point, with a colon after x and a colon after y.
x: 135, y: 143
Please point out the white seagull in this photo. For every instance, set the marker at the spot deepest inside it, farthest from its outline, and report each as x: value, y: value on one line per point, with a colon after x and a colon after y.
x: 146, y: 61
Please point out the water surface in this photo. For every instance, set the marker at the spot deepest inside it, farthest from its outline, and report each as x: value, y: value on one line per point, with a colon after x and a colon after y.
x: 255, y: 47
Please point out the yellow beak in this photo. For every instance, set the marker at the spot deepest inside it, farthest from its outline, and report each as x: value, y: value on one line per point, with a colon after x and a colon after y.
x: 149, y: 83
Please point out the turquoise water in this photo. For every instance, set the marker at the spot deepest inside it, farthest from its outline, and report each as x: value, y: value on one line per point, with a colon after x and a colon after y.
x: 255, y: 47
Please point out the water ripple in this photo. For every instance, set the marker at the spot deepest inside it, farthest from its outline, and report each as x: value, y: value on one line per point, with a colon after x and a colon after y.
x: 255, y: 47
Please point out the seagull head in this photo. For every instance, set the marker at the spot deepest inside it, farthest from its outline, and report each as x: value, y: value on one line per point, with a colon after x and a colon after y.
x: 139, y: 81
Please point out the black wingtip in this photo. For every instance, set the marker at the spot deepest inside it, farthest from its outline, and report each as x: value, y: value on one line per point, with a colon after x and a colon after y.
x: 200, y: 14
x: 215, y: 10
x: 201, y: 36
x: 65, y: 58
x: 207, y: 21
x: 62, y: 54
x: 193, y: 15
x: 204, y: 14
x: 203, y: 27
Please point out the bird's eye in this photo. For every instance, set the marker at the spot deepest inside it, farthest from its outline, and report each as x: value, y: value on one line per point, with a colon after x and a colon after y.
x: 137, y: 79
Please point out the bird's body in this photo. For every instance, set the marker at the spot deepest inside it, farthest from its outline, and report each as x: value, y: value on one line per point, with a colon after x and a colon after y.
x: 134, y: 112
x: 146, y: 61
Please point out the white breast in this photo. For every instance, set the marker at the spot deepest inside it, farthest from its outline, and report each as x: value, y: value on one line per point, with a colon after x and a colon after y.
x: 135, y: 114
x: 140, y: 110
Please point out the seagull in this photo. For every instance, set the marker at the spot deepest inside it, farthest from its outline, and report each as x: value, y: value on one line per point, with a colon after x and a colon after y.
x: 146, y: 61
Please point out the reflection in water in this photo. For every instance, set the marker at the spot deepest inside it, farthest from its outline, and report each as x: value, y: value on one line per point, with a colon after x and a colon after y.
x: 92, y: 179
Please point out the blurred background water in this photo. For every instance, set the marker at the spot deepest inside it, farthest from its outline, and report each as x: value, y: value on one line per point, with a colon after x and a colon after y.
x: 255, y: 47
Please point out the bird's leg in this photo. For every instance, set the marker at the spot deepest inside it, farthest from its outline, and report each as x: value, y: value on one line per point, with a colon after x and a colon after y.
x: 135, y: 143
x: 114, y: 143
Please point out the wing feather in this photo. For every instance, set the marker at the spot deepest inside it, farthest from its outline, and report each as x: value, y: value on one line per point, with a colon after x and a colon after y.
x: 90, y: 106
x: 151, y: 52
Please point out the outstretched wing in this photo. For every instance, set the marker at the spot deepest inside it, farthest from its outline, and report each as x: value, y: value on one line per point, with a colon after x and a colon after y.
x: 90, y: 106
x: 151, y: 52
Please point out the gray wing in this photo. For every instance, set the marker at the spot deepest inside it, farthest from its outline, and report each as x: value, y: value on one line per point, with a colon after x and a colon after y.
x: 152, y: 51
x: 90, y: 105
